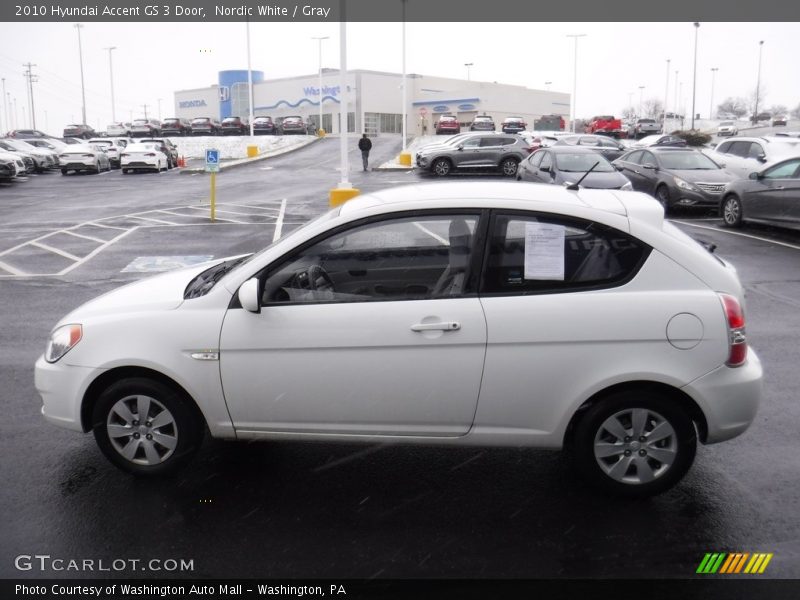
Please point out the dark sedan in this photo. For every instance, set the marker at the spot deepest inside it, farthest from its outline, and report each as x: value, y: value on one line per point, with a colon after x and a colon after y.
x: 566, y: 165
x: 675, y: 176
x: 264, y: 126
x: 610, y: 148
x: 771, y: 195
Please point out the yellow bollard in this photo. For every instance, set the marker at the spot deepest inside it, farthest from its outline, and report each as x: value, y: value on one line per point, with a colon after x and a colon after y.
x: 321, y: 132
x: 339, y: 196
x: 404, y: 159
x: 252, y: 151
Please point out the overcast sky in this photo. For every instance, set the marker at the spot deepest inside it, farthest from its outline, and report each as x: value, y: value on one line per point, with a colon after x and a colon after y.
x: 614, y: 59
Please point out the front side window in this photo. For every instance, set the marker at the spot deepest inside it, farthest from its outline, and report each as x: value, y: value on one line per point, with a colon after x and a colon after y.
x: 787, y: 170
x: 409, y: 258
x: 635, y: 157
x: 755, y: 151
x: 536, y: 253
x: 547, y: 161
x: 471, y: 143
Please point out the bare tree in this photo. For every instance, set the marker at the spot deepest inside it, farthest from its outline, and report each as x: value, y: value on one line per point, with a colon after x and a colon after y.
x: 629, y: 113
x: 653, y: 108
x: 778, y: 109
x: 734, y: 106
x: 796, y: 112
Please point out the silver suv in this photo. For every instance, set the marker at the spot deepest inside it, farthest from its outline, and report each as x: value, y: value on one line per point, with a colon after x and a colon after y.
x: 474, y: 151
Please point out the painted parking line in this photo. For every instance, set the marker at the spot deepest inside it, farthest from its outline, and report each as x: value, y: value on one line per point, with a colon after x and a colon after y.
x: 741, y: 234
x: 279, y: 222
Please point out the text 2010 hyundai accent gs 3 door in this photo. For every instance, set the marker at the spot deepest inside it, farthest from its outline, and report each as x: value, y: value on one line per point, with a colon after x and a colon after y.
x: 486, y: 314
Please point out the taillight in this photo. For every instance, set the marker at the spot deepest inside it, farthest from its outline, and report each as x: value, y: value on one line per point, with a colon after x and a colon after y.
x: 150, y: 154
x: 87, y: 155
x: 737, y: 340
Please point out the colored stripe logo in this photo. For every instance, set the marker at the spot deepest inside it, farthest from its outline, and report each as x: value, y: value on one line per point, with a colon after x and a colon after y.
x: 734, y: 563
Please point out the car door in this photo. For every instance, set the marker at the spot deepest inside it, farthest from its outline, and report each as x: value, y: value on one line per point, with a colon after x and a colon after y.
x: 775, y: 196
x: 545, y: 172
x: 468, y: 153
x: 632, y: 169
x: 649, y: 172
x: 528, y: 168
x: 374, y: 329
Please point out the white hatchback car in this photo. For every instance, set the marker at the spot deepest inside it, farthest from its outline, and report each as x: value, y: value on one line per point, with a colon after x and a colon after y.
x: 143, y: 157
x: 466, y: 313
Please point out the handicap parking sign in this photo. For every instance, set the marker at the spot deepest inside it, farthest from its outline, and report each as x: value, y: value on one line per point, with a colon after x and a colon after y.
x: 212, y: 161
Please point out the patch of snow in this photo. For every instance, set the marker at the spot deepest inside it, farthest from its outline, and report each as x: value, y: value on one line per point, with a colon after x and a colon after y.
x: 235, y: 146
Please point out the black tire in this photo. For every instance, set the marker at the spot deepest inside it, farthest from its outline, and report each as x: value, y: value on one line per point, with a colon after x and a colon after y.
x: 508, y: 167
x: 184, y: 428
x: 441, y: 167
x: 63, y: 171
x: 676, y: 451
x: 125, y: 171
x: 662, y: 195
x: 731, y: 211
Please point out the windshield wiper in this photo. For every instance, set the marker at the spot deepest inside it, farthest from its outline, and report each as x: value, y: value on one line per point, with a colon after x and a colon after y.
x: 576, y: 185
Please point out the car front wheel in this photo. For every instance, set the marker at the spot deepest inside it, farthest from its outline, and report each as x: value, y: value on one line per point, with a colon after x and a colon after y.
x: 731, y: 211
x: 637, y: 443
x: 145, y: 427
x: 441, y: 167
x: 662, y: 195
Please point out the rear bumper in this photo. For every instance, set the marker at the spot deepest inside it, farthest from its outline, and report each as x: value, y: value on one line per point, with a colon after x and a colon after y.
x: 729, y: 398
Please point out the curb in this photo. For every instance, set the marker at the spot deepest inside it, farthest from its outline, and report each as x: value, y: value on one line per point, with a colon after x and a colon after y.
x: 246, y: 161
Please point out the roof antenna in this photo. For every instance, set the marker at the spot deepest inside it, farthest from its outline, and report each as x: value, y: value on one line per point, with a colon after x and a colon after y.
x: 577, y: 184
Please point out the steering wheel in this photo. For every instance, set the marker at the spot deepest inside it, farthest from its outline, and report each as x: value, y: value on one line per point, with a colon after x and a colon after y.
x: 314, y: 278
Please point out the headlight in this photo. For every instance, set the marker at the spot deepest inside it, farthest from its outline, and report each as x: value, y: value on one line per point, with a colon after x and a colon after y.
x: 62, y: 340
x: 628, y: 186
x: 684, y: 185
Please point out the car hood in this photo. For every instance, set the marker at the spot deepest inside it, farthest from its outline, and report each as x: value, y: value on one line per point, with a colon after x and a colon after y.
x: 156, y: 293
x: 598, y: 181
x: 706, y: 176
x: 431, y: 148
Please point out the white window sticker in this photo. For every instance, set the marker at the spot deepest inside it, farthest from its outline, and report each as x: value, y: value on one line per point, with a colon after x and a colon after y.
x: 544, y: 251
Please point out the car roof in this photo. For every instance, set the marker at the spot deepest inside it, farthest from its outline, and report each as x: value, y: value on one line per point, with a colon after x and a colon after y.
x: 571, y: 150
x: 663, y: 149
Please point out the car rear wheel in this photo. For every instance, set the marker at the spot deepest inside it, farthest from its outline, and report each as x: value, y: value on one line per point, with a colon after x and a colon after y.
x: 636, y: 443
x: 63, y: 171
x: 125, y: 171
x: 441, y: 167
x: 145, y: 427
x: 509, y: 167
x: 731, y: 211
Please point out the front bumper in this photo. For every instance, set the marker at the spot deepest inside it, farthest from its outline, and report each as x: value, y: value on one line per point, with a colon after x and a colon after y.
x: 729, y: 398
x: 695, y: 197
x: 62, y: 388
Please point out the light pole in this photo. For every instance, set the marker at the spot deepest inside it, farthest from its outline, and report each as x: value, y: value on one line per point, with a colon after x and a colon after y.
x: 468, y: 65
x: 159, y: 108
x: 666, y: 96
x: 694, y: 75
x: 575, y: 36
x: 31, y: 79
x: 675, y: 106
x: 319, y: 40
x: 758, y: 82
x: 249, y: 81
x: 111, y: 78
x: 711, y: 104
x: 405, y: 157
x: 5, y: 104
x: 641, y: 99
x: 78, y: 26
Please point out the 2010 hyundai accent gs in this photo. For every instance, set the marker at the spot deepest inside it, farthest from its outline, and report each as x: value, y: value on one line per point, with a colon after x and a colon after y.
x: 465, y: 313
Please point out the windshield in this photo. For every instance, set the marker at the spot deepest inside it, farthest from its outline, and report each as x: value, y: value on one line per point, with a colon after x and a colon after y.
x: 200, y: 121
x: 141, y: 122
x: 580, y: 163
x: 687, y: 161
x: 726, y: 124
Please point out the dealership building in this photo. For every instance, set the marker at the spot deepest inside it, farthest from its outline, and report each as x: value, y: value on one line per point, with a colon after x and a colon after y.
x: 374, y: 100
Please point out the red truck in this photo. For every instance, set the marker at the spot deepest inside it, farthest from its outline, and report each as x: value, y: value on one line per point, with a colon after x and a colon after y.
x: 606, y: 125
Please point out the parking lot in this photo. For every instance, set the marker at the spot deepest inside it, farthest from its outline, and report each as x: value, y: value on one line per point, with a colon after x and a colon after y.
x: 319, y: 510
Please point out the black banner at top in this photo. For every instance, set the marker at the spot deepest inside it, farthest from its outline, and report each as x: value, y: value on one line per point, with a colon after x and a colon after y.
x: 446, y: 11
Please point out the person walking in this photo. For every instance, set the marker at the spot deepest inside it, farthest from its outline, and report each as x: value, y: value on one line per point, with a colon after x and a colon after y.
x: 365, y: 145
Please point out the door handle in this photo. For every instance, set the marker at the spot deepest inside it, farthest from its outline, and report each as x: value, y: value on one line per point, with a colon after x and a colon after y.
x: 443, y: 326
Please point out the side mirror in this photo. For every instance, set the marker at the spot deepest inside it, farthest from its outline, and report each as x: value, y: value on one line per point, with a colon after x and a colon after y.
x: 762, y: 158
x: 248, y: 296
x: 754, y: 175
x: 618, y: 167
x: 460, y: 147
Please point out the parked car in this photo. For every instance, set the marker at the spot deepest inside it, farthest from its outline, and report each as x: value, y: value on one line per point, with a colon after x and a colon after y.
x: 264, y: 126
x: 675, y: 176
x: 176, y: 126
x: 484, y: 296
x: 145, y: 128
x: 73, y: 140
x: 143, y: 156
x: 513, y: 125
x: 763, y: 116
x: 23, y: 162
x: 645, y: 127
x: 31, y: 134
x: 84, y: 157
x: 82, y: 131
x: 606, y: 125
x: 779, y: 121
x: 167, y: 148
x: 745, y: 155
x: 48, y: 143
x: 41, y: 159
x: 11, y: 166
x: 235, y: 126
x: 610, y: 148
x: 205, y: 126
x: 447, y: 124
x: 660, y: 140
x: 770, y: 195
x: 478, y: 151
x: 113, y: 146
x: 482, y: 123
x: 119, y: 130
x: 295, y: 125
x: 727, y: 128
x: 567, y: 165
